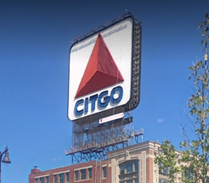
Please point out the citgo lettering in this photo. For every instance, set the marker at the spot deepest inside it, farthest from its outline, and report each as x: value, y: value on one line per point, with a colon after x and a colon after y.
x: 102, y: 100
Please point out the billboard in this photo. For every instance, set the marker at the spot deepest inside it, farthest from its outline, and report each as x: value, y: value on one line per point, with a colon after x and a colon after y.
x: 101, y: 72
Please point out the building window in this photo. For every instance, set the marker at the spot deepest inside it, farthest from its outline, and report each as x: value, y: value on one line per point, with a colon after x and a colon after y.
x: 83, y: 174
x: 90, y: 173
x: 55, y: 178
x: 129, y: 181
x: 76, y: 175
x: 164, y: 170
x: 42, y: 180
x: 61, y: 177
x: 36, y: 180
x: 47, y: 179
x: 122, y: 168
x: 136, y: 166
x: 187, y: 175
x: 104, y: 171
x: 136, y: 181
x: 129, y: 166
x: 162, y: 181
x: 68, y: 177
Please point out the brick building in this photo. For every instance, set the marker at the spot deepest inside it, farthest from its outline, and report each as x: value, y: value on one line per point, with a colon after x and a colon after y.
x: 132, y: 164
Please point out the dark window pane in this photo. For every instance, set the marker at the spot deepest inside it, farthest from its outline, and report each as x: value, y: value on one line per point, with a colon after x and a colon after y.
x: 122, y: 168
x: 83, y: 174
x: 47, y: 179
x: 104, y: 170
x: 136, y: 165
x: 61, y: 177
x: 76, y: 175
x: 129, y: 167
x: 55, y: 178
x: 42, y: 180
x: 136, y: 181
x: 129, y: 181
x: 162, y: 181
x: 90, y: 173
x: 67, y: 176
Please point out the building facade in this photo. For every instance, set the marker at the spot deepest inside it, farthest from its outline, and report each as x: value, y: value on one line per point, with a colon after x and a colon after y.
x: 132, y: 164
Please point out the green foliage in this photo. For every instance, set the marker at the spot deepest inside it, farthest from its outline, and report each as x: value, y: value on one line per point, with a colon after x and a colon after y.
x: 193, y: 160
x: 168, y: 159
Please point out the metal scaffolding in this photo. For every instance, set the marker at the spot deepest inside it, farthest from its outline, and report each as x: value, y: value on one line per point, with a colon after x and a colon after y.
x: 92, y: 140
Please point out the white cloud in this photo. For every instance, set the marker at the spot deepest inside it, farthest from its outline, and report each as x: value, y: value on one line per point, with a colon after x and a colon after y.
x: 160, y: 120
x: 56, y: 158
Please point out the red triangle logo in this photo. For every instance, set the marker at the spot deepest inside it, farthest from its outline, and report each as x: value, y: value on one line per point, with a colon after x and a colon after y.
x: 101, y: 70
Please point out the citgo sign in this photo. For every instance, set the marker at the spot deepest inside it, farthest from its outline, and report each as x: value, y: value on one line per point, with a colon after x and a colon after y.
x: 100, y: 71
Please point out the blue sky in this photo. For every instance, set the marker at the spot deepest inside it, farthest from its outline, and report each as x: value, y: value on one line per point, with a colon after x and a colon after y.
x: 35, y: 40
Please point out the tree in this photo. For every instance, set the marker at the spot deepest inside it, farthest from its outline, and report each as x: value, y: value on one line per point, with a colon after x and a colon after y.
x: 193, y: 160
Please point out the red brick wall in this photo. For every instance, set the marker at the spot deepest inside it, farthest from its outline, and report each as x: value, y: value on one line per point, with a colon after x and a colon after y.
x: 149, y: 167
x: 95, y: 172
